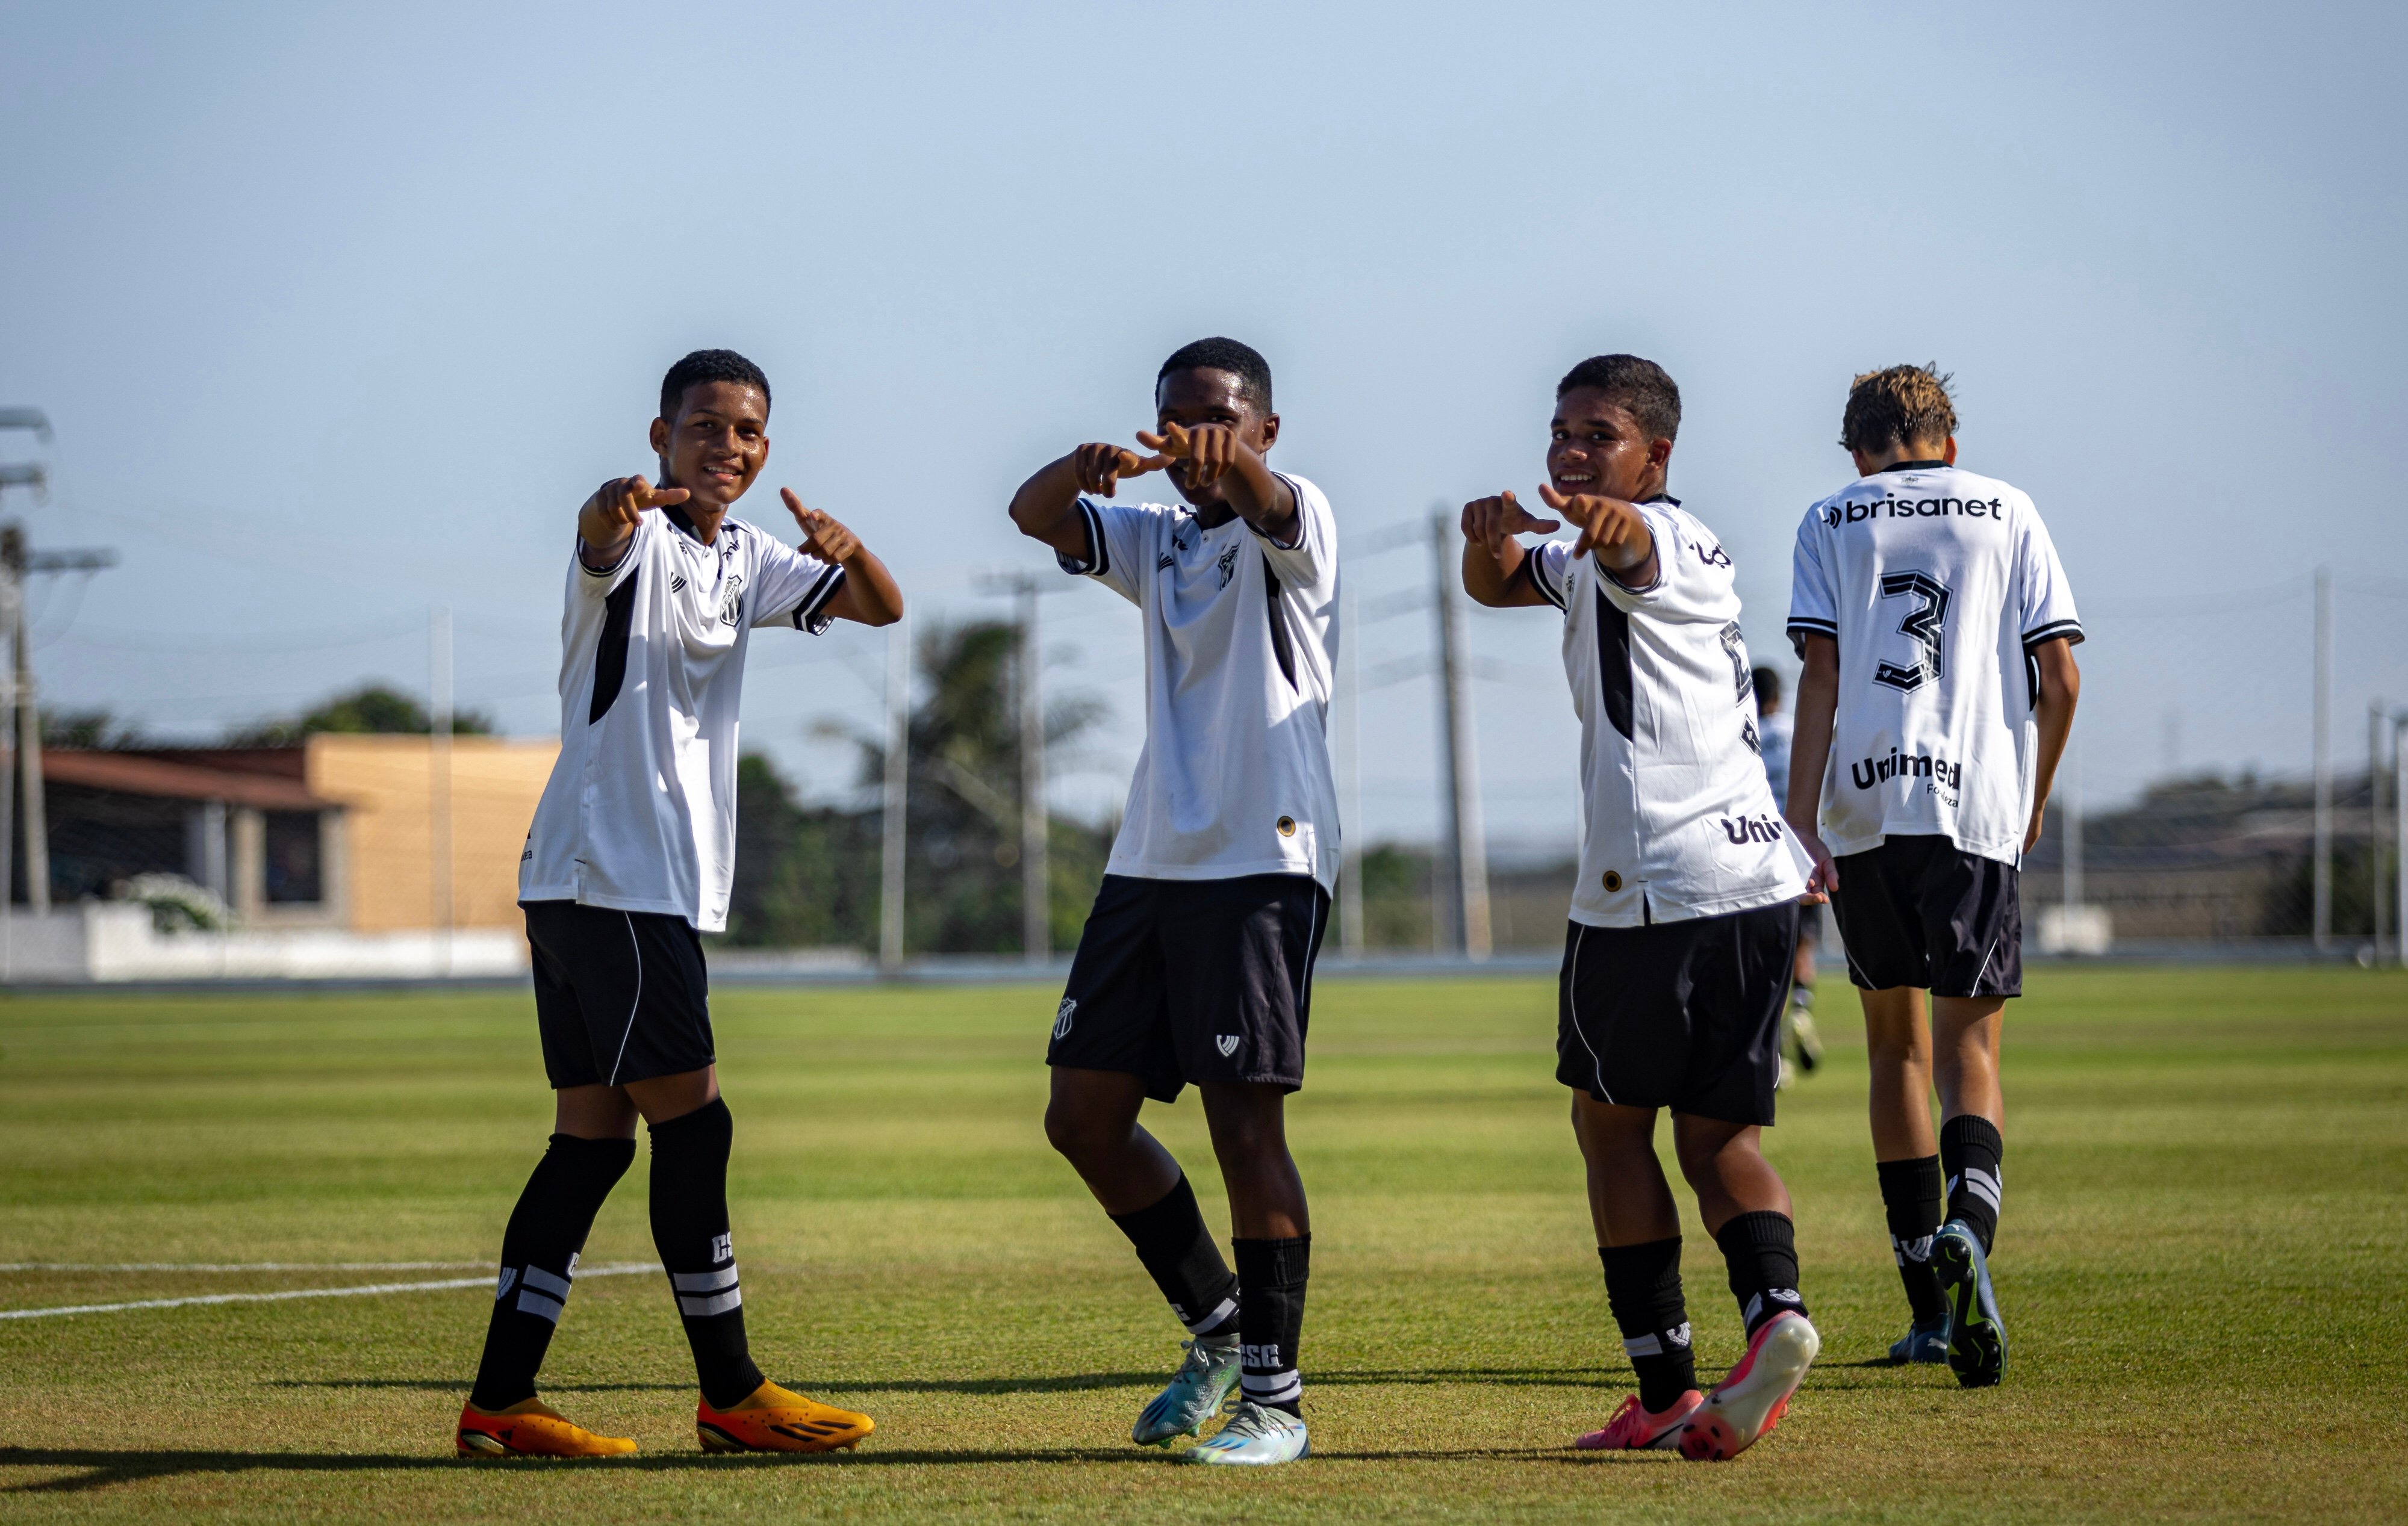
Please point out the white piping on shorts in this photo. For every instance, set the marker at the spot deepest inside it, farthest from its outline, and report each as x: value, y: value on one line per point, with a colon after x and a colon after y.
x: 621, y: 1058
x: 1596, y: 1060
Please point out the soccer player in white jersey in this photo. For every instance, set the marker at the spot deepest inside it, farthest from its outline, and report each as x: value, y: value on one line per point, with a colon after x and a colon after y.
x: 629, y: 859
x: 1197, y: 961
x: 1684, y: 919
x: 1937, y: 631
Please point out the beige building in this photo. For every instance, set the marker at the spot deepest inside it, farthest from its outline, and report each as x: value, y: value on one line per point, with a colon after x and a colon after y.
x: 343, y: 832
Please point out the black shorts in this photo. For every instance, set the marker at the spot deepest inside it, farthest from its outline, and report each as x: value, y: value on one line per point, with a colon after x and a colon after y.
x: 1922, y: 912
x: 1681, y: 1015
x: 1179, y: 981
x: 620, y: 996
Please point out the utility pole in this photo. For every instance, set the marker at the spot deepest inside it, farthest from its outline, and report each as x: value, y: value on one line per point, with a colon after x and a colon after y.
x: 2399, y: 829
x: 1350, y: 781
x: 1466, y: 844
x: 29, y: 727
x: 438, y: 794
x: 2074, y: 840
x: 1036, y: 826
x: 892, y: 819
x: 2321, y: 923
x: 33, y: 476
x: 2374, y: 728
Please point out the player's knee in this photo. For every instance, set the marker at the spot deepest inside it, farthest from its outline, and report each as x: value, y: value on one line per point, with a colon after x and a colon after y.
x: 1078, y: 1133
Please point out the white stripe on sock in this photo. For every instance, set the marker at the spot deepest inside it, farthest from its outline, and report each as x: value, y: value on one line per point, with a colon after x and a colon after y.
x: 704, y: 1282
x: 699, y: 1307
x: 1273, y: 1388
x: 1984, y: 1186
x: 1197, y: 1327
x: 535, y: 1277
x: 537, y: 1304
x: 1642, y: 1346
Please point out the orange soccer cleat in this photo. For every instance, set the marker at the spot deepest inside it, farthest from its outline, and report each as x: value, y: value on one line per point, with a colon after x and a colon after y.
x: 774, y: 1419
x: 530, y: 1428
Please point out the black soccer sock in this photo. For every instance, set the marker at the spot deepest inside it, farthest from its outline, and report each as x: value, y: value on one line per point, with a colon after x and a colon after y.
x: 1969, y: 1148
x: 539, y: 1249
x: 1270, y: 1318
x: 1911, y: 1192
x: 1178, y: 1250
x: 1642, y: 1287
x: 690, y: 1230
x: 1760, y: 1249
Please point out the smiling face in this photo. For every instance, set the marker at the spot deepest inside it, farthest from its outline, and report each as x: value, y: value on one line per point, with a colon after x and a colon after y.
x: 1189, y: 398
x: 1595, y: 447
x: 715, y: 446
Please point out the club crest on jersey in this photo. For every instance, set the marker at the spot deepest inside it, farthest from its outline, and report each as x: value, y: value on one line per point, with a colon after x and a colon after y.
x: 1225, y: 1043
x: 1061, y: 1017
x: 1228, y: 564
x: 1751, y: 829
x: 731, y: 600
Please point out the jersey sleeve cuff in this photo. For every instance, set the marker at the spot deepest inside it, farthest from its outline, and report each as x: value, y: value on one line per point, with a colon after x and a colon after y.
x: 1802, y: 626
x: 1098, y: 562
x: 1534, y: 567
x: 811, y: 615
x: 2069, y: 629
x: 616, y: 562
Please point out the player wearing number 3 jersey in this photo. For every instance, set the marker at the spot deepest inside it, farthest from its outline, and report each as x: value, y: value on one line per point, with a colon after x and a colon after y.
x: 1936, y: 628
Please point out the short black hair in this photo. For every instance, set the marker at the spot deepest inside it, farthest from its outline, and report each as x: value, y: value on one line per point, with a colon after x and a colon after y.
x: 708, y: 366
x: 1244, y: 361
x: 1643, y: 387
x: 1767, y: 685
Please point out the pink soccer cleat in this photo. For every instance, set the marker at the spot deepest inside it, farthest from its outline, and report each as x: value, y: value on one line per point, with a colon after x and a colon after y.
x: 1747, y: 1404
x: 1635, y: 1429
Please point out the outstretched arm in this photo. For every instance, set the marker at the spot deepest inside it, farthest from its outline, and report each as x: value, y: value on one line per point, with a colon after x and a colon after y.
x: 607, y: 520
x: 1493, y: 557
x: 1810, y: 753
x: 1615, y: 532
x: 2061, y: 690
x: 1046, y: 507
x: 869, y: 595
x: 1213, y: 452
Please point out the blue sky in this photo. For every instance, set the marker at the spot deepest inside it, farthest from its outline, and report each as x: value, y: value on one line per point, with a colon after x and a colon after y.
x: 340, y: 310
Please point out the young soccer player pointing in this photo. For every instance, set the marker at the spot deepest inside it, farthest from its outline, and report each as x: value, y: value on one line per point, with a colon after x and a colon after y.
x: 629, y: 859
x: 1197, y: 961
x: 1938, y: 633
x: 1685, y: 921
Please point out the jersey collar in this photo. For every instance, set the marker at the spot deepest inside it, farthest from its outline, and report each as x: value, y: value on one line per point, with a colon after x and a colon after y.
x: 1662, y: 498
x: 1912, y: 466
x: 685, y: 521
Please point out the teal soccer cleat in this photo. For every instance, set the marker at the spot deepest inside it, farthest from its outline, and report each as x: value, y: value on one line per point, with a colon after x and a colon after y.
x: 1256, y: 1436
x: 1977, y: 1337
x: 1196, y: 1392
x: 1921, y: 1344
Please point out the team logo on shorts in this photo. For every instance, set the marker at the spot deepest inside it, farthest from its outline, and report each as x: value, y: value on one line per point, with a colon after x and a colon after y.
x: 1061, y: 1017
x: 1225, y: 1043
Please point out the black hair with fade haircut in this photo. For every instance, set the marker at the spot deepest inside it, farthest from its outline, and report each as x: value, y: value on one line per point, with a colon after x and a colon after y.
x: 704, y: 366
x: 1244, y: 361
x: 1643, y: 387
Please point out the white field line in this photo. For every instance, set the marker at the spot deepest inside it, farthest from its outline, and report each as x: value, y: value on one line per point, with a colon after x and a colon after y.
x: 620, y: 1269
x: 241, y: 1266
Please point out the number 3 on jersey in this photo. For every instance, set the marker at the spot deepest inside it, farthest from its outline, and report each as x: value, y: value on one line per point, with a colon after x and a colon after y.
x: 1922, y: 625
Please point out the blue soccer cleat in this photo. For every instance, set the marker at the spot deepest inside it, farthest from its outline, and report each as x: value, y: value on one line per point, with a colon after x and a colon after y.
x: 1256, y: 1436
x: 1977, y: 1336
x: 1922, y: 1344
x: 1196, y: 1392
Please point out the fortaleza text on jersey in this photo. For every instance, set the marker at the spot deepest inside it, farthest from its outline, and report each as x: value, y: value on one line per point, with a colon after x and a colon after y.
x: 1911, y: 508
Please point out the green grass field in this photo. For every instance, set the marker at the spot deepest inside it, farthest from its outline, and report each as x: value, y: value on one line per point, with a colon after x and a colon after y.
x: 2202, y: 1267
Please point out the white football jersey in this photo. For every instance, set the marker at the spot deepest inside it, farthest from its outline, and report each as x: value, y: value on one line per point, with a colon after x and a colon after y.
x: 1681, y: 823
x: 1239, y: 635
x: 1937, y: 584
x: 639, y: 813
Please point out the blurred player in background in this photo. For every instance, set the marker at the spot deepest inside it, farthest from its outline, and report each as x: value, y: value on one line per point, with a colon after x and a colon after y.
x: 629, y: 860
x: 1937, y: 632
x: 1196, y: 965
x: 1801, y: 1045
x: 1683, y: 926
